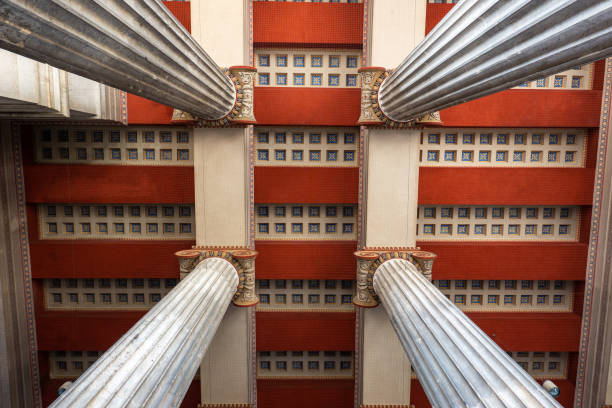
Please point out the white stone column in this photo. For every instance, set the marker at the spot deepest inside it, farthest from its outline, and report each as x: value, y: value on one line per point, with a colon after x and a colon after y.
x: 137, y: 46
x: 154, y: 363
x: 222, y: 191
x: 458, y: 365
x: 390, y: 200
x: 485, y: 46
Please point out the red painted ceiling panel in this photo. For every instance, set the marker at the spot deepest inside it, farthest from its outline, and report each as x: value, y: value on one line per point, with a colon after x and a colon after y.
x: 306, y: 259
x: 434, y: 13
x: 308, y: 185
x: 508, y: 260
x: 105, y: 259
x: 323, y: 393
x: 506, y: 186
x: 528, y: 108
x: 531, y: 331
x: 48, y: 183
x: 305, y: 331
x: 307, y: 24
x: 307, y: 106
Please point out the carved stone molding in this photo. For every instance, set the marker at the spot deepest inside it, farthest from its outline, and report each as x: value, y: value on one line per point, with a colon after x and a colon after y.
x: 425, y: 261
x: 180, y: 117
x: 429, y: 120
x: 364, y: 293
x: 246, y: 297
x: 371, y: 112
x: 243, y: 260
x: 369, y: 259
x: 188, y: 259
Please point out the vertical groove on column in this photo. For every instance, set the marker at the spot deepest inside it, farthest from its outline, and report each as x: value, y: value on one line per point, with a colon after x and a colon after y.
x: 484, y: 46
x: 456, y: 362
x: 137, y: 46
x: 153, y: 364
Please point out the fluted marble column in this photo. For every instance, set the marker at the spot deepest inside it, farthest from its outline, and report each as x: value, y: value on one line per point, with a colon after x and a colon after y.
x: 154, y: 363
x: 137, y: 46
x: 458, y: 365
x: 485, y: 46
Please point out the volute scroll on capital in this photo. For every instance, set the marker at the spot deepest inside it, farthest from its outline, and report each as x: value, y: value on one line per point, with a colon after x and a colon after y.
x: 243, y: 260
x: 371, y: 113
x: 368, y: 261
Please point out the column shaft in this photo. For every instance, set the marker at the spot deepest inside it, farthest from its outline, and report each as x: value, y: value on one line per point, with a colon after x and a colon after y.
x: 458, y: 365
x: 153, y: 364
x: 137, y: 46
x: 485, y: 46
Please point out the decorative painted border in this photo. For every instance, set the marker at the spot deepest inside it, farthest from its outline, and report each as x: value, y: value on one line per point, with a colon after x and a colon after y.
x: 604, y: 125
x: 365, y: 46
x: 25, y: 263
x: 124, y: 110
x: 251, y: 181
x: 361, y: 204
x: 361, y: 214
x: 251, y: 316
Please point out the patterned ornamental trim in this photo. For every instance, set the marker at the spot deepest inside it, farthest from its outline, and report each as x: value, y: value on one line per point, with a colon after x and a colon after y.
x: 251, y: 166
x: 363, y: 133
x: 26, y: 265
x: 124, y: 111
x: 369, y: 259
x: 387, y: 406
x: 593, y: 239
x: 242, y: 113
x: 251, y: 239
x: 240, y: 257
x: 371, y: 112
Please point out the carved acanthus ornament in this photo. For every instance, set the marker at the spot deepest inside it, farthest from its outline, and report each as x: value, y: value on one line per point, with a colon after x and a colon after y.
x: 243, y: 259
x: 242, y: 113
x: 369, y: 259
x: 371, y: 112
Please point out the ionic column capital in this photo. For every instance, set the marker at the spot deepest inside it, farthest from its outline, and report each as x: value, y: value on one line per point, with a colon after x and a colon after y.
x: 243, y: 260
x: 364, y: 291
x: 246, y: 296
x: 368, y: 261
x: 371, y: 112
x: 242, y: 112
x: 424, y: 262
x: 188, y: 259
